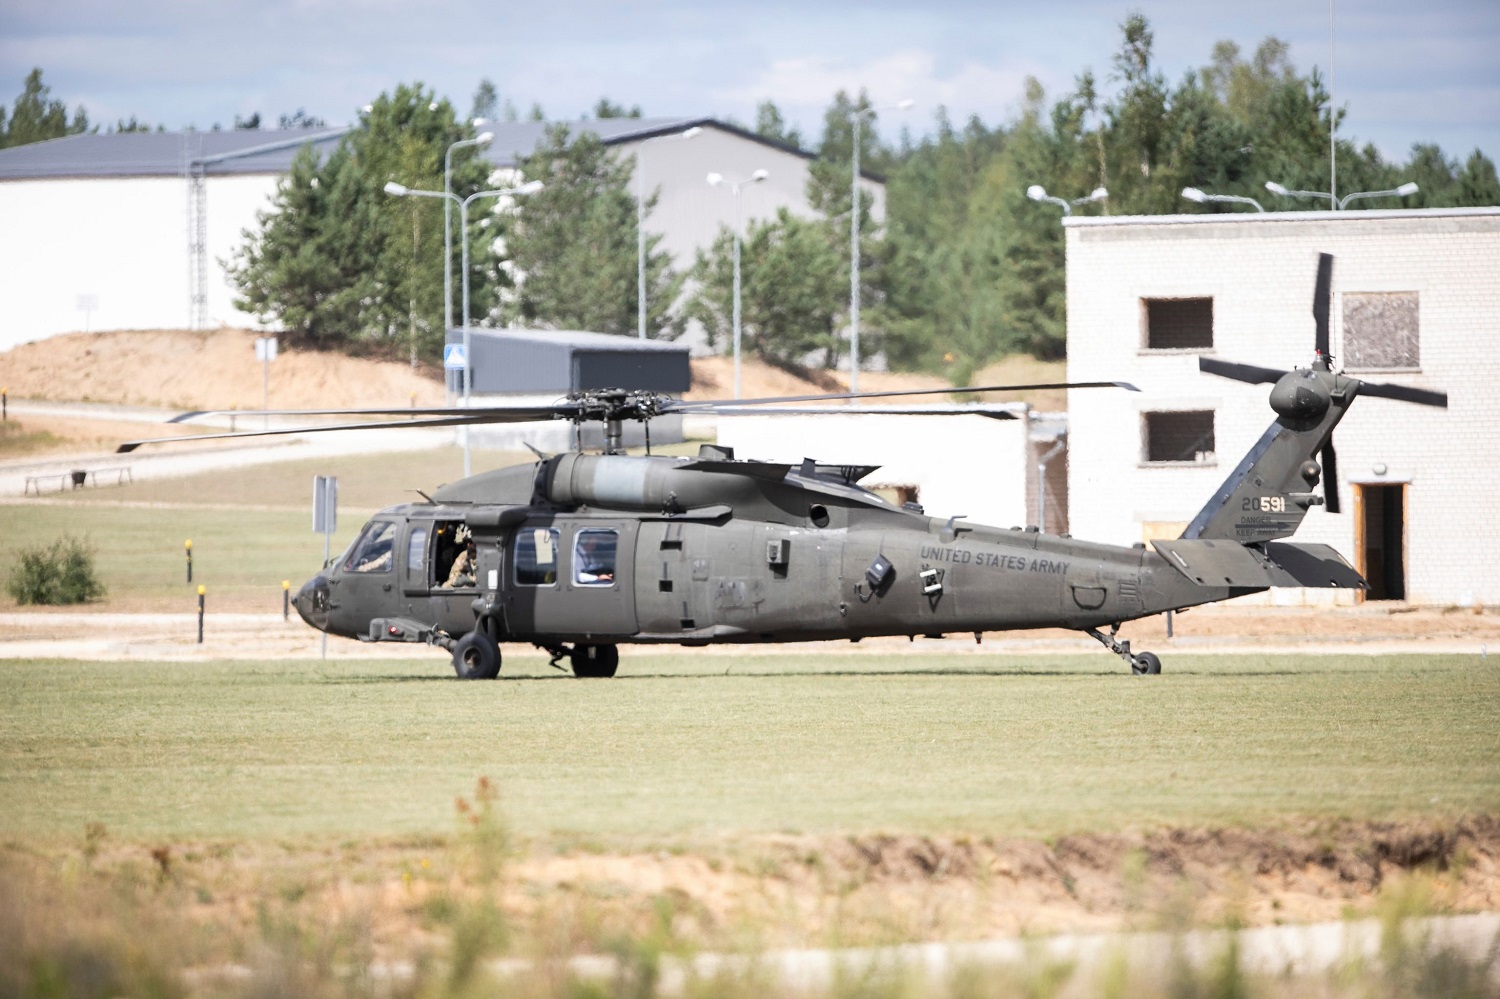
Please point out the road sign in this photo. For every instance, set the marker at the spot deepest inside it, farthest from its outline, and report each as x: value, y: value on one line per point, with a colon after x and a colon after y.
x: 265, y: 348
x: 454, y: 357
x: 325, y: 506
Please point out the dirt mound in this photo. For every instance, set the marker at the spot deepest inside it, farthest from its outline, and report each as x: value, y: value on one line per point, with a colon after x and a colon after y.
x: 216, y: 369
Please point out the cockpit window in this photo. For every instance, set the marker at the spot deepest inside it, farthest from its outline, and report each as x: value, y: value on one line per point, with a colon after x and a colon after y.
x: 372, y: 552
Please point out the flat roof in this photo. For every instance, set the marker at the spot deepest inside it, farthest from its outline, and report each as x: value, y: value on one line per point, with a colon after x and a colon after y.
x: 575, y: 339
x: 271, y: 151
x: 158, y: 154
x: 1261, y: 218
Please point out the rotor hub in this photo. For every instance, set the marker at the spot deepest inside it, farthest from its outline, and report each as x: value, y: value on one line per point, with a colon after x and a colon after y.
x: 1300, y: 397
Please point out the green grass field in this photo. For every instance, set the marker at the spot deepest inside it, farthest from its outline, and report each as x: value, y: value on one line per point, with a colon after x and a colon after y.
x: 675, y: 750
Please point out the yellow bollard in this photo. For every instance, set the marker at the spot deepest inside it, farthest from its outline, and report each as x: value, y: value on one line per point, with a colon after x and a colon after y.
x: 187, y: 547
x: 202, y: 590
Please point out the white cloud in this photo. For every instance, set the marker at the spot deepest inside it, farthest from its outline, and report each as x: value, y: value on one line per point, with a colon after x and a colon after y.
x: 803, y: 87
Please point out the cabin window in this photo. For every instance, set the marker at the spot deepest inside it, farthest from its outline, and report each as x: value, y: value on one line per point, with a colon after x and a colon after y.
x: 416, y: 556
x: 536, y: 556
x: 1179, y: 323
x: 594, y: 557
x: 1382, y: 331
x: 372, y: 552
x: 1178, y: 437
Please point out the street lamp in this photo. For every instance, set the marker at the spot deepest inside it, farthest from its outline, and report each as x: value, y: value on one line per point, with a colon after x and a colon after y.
x: 483, y: 139
x: 859, y: 118
x: 715, y: 180
x: 401, y: 191
x: 640, y: 226
x: 1037, y: 192
x: 1339, y: 204
x: 1193, y: 194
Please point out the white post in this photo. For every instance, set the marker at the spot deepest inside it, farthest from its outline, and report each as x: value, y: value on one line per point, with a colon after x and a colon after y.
x: 463, y: 231
x: 736, y: 190
x: 640, y: 243
x: 854, y: 262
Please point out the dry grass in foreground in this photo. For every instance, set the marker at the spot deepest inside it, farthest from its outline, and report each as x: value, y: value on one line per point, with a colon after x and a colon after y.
x: 433, y: 916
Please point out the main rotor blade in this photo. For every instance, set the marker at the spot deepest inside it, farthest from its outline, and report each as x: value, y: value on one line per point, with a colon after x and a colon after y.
x: 1405, y: 393
x: 732, y: 409
x: 1330, y: 463
x: 500, y: 414
x: 431, y: 423
x: 1322, y: 298
x: 1240, y: 372
x: 687, y: 407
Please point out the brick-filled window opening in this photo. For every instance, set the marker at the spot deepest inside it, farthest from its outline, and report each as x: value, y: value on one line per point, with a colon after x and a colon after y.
x: 1179, y: 437
x: 1382, y: 330
x: 1179, y: 323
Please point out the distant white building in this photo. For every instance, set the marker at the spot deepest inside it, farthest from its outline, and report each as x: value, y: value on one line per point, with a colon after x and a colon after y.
x: 1416, y: 301
x: 126, y: 231
x: 978, y: 461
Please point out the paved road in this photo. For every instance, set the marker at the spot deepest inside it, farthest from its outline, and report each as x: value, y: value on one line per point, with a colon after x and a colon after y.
x: 50, y: 473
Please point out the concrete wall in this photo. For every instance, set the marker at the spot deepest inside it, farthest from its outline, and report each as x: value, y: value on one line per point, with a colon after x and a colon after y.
x: 961, y: 464
x: 1260, y: 270
x: 124, y: 241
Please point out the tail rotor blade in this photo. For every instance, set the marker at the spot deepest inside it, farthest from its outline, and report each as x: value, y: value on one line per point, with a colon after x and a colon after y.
x: 1404, y: 393
x: 1322, y: 297
x: 1330, y: 478
x: 1240, y: 372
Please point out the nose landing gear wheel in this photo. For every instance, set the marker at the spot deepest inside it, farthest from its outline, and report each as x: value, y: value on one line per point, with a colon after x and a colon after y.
x: 1145, y: 662
x: 476, y: 657
x: 594, y: 661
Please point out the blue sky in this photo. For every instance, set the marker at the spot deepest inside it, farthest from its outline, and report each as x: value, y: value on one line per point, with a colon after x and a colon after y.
x: 1407, y: 72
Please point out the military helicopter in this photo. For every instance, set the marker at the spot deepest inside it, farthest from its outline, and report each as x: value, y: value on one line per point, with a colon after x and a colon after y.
x: 579, y: 553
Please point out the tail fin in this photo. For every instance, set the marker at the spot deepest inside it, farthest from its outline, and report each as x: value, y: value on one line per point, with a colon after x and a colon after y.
x: 1269, y: 491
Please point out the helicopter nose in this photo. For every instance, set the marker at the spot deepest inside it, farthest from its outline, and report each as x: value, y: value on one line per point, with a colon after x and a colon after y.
x: 312, y: 602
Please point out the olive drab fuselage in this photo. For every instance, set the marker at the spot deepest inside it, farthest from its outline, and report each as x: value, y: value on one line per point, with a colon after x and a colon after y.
x: 717, y: 550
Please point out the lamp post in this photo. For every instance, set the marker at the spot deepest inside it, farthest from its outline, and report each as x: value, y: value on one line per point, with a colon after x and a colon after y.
x: 859, y: 118
x: 640, y: 225
x: 483, y: 139
x: 715, y: 180
x: 1193, y: 194
x: 401, y: 191
x: 1037, y: 192
x: 1339, y: 204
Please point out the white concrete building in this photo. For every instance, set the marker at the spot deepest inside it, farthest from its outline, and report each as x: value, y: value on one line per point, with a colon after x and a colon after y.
x: 128, y: 231
x: 1416, y: 301
x: 956, y: 461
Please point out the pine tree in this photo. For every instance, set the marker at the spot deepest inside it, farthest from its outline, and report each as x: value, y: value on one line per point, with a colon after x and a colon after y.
x: 35, y: 117
x: 341, y: 264
x: 793, y: 290
x: 575, y: 245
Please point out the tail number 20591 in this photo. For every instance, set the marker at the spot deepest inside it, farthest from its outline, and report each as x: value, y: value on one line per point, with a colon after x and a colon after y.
x: 1264, y: 504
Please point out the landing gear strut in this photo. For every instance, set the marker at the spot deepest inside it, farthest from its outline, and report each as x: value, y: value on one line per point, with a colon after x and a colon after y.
x: 1140, y: 662
x: 587, y: 661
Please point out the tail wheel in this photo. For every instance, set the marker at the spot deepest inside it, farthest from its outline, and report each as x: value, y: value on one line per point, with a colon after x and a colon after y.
x: 476, y: 657
x: 595, y: 661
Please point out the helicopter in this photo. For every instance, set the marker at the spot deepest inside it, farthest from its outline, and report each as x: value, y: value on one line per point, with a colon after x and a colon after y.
x: 579, y: 553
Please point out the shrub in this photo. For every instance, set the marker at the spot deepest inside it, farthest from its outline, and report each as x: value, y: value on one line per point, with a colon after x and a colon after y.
x: 59, y: 573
